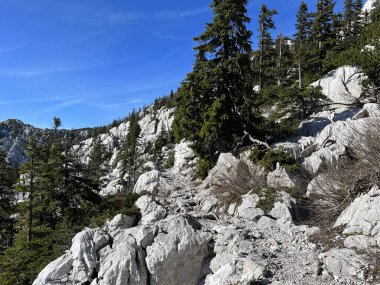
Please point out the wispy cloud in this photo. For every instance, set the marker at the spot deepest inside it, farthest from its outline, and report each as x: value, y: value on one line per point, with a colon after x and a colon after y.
x: 11, y: 48
x: 121, y: 18
x: 64, y: 104
x: 174, y: 14
x: 158, y: 35
x: 33, y: 71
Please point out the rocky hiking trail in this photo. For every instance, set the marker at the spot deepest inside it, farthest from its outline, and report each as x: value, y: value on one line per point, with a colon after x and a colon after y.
x: 184, y: 236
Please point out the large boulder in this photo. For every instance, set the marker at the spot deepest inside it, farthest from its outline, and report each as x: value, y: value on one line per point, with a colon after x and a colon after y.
x: 79, y: 263
x: 344, y: 263
x: 363, y: 215
x: 171, y: 251
x: 178, y: 253
x: 281, y: 178
x: 148, y: 182
x: 343, y: 85
x: 150, y: 210
x: 184, y: 159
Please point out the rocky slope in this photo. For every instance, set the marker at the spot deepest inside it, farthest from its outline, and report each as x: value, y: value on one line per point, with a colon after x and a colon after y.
x: 14, y: 136
x: 183, y: 235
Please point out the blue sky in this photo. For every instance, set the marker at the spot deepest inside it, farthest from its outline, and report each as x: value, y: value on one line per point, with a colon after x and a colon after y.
x: 92, y: 61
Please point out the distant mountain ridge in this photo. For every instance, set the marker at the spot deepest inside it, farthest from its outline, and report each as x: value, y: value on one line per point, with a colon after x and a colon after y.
x: 15, y: 134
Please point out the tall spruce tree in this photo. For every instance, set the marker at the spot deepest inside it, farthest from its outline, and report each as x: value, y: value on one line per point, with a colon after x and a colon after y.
x: 215, y: 100
x: 96, y: 166
x: 129, y: 152
x: 349, y: 15
x: 323, y: 34
x: 357, y: 23
x: 284, y: 60
x: 7, y: 203
x: 302, y: 41
x: 267, y: 61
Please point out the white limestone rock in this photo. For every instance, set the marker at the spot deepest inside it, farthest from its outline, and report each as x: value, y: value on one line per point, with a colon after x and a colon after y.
x: 343, y: 263
x: 248, y: 208
x: 281, y: 178
x: 148, y: 182
x: 178, y: 252
x: 284, y: 207
x: 343, y: 85
x: 359, y: 242
x: 150, y: 210
x: 368, y: 110
x: 58, y: 269
x: 78, y: 264
x: 121, y: 221
x: 184, y: 159
x: 363, y: 215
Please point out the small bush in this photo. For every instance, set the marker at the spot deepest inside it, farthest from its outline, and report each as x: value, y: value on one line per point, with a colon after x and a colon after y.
x: 268, y: 197
x: 170, y: 161
x: 231, y: 186
x: 268, y: 158
x: 121, y: 203
x: 355, y: 173
x: 203, y: 168
x: 328, y: 238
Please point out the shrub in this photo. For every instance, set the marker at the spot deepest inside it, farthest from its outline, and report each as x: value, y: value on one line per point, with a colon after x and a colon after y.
x: 232, y: 185
x: 268, y: 197
x: 268, y: 158
x: 355, y: 173
x: 121, y: 203
x: 170, y: 161
x: 203, y: 167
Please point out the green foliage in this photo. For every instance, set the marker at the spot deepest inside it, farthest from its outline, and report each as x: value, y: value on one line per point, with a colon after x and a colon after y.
x: 268, y: 158
x: 215, y: 101
x: 8, y: 176
x: 21, y: 264
x: 121, y: 203
x: 129, y: 153
x: 97, y: 168
x: 203, y: 167
x: 170, y: 161
x: 267, y: 62
x: 161, y: 141
x: 268, y: 197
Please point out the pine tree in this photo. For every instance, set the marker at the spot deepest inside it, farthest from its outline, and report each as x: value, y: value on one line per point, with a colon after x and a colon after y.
x: 129, y: 152
x: 323, y: 34
x: 284, y: 60
x: 302, y: 41
x: 216, y: 96
x: 7, y: 203
x: 357, y: 21
x: 349, y: 15
x: 97, y: 168
x: 266, y: 62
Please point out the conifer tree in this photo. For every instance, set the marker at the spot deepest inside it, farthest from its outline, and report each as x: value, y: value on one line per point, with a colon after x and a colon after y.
x: 97, y: 168
x: 129, y: 152
x: 357, y: 22
x: 349, y: 15
x: 323, y: 34
x: 266, y: 62
x: 284, y: 60
x: 216, y: 96
x: 7, y: 203
x: 302, y: 40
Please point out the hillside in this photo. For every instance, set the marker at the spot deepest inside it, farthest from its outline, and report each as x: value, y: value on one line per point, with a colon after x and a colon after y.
x: 263, y: 168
